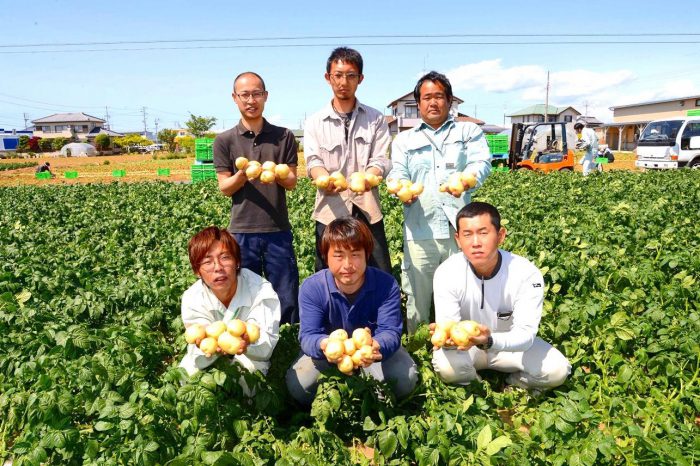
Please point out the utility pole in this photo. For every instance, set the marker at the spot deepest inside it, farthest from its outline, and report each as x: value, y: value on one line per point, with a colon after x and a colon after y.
x: 156, y: 125
x: 585, y: 102
x: 546, y: 101
x: 474, y: 110
x: 25, y: 119
x: 145, y: 130
x: 107, y: 117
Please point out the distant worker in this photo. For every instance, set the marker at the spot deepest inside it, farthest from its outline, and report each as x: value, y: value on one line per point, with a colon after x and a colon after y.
x: 588, y: 142
x: 259, y: 215
x: 45, y: 167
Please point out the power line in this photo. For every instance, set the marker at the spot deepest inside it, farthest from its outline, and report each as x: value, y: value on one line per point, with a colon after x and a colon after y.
x: 365, y: 44
x: 371, y: 36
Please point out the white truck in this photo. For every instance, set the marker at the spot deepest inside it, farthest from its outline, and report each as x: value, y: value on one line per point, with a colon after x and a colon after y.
x: 670, y: 143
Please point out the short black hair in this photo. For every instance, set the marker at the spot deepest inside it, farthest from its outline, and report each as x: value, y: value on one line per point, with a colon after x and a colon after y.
x: 347, y: 55
x: 253, y: 73
x: 477, y: 208
x: 579, y: 125
x: 435, y: 77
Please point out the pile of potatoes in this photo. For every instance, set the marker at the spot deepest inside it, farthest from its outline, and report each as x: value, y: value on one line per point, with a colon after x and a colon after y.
x: 458, y: 182
x: 229, y: 337
x: 405, y: 190
x: 349, y: 351
x: 267, y: 172
x: 452, y: 333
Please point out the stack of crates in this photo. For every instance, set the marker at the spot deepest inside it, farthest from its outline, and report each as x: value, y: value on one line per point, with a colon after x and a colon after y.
x: 203, y: 150
x: 498, y: 146
x: 203, y: 167
x: 43, y: 175
x: 203, y: 171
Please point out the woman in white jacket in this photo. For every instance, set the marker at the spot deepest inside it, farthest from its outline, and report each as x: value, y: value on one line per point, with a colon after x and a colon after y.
x: 225, y: 291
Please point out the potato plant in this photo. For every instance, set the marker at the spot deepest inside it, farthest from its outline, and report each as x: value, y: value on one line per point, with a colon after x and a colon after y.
x: 90, y: 283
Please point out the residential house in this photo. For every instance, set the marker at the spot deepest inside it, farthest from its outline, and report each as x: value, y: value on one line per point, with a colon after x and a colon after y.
x: 67, y: 125
x: 629, y: 120
x: 536, y: 114
x: 405, y: 114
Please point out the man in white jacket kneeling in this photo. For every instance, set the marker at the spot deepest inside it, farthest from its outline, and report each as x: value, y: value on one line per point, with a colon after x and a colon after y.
x: 503, y: 293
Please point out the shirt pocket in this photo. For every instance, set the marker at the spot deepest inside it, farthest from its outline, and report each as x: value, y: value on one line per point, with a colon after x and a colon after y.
x: 420, y: 162
x: 362, y: 142
x: 330, y: 155
x: 504, y: 321
x: 455, y: 153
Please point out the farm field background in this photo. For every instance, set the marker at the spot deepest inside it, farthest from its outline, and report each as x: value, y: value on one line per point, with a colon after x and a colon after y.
x: 144, y: 167
x: 90, y: 284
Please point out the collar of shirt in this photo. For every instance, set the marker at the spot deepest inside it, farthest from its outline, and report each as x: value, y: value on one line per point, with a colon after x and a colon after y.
x: 243, y: 131
x: 367, y: 286
x: 332, y: 114
x: 242, y: 298
x: 447, y: 124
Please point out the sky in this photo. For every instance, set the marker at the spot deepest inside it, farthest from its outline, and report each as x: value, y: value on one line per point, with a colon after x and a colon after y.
x: 176, y: 58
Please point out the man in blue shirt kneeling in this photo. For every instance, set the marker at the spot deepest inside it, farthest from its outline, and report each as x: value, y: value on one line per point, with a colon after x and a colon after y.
x: 349, y: 295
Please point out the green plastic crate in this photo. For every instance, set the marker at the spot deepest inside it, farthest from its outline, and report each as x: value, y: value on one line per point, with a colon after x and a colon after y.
x: 70, y: 175
x: 498, y: 143
x: 163, y: 172
x: 201, y: 172
x: 204, y: 149
x: 118, y: 173
x: 43, y: 175
x: 695, y: 112
x: 601, y: 160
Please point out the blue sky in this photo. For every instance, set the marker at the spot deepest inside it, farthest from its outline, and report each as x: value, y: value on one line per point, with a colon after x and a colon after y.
x: 173, y: 79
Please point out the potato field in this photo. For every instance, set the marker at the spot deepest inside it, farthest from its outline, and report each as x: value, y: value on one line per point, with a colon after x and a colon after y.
x: 91, y: 278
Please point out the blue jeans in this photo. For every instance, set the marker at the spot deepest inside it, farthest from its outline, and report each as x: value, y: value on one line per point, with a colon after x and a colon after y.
x: 272, y: 255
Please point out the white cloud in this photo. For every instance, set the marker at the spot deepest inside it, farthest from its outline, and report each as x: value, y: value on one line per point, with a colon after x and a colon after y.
x: 490, y: 76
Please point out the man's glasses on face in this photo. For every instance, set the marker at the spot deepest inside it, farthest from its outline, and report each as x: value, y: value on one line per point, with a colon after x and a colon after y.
x: 348, y: 76
x: 256, y: 95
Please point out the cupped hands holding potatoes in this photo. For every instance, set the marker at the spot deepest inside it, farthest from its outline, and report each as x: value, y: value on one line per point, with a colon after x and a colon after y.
x: 406, y: 190
x: 457, y: 183
x: 267, y: 172
x: 219, y: 337
x: 351, y: 352
x: 461, y: 335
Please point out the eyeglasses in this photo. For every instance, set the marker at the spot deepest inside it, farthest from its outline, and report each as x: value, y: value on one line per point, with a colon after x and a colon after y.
x: 209, y: 263
x: 257, y: 95
x: 348, y: 76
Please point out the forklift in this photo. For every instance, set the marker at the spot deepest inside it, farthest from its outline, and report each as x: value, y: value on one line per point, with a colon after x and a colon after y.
x: 544, y: 147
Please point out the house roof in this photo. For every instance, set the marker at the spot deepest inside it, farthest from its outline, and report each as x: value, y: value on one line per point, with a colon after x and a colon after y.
x: 589, y: 120
x: 68, y: 118
x: 538, y: 109
x: 463, y: 117
x: 410, y: 94
x: 651, y: 102
x: 96, y: 131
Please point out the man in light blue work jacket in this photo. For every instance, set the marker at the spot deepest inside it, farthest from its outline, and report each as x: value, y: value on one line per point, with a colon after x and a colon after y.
x: 429, y: 154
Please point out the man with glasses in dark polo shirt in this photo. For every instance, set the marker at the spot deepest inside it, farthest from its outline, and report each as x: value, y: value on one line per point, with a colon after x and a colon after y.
x: 259, y: 217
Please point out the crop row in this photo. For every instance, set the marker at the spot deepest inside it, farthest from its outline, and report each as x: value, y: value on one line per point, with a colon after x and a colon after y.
x: 91, y: 278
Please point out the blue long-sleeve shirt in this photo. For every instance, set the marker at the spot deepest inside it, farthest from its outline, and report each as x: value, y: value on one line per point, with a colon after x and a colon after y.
x: 323, y: 308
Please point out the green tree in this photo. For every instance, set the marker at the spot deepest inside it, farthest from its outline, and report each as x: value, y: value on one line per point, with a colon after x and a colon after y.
x: 23, y: 144
x: 103, y: 141
x: 167, y: 136
x: 199, y: 125
x: 186, y: 144
x: 46, y: 145
x: 58, y: 143
x: 131, y: 140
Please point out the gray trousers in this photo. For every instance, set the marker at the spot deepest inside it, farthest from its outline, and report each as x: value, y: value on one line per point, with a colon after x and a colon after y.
x: 302, y: 377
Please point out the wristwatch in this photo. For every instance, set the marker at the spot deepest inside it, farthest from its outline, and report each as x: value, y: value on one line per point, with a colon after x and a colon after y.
x: 487, y: 345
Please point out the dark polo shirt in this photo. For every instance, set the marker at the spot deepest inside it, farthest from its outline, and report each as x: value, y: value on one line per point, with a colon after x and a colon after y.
x: 256, y: 207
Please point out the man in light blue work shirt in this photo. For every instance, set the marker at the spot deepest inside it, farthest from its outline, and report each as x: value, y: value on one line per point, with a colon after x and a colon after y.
x: 429, y: 154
